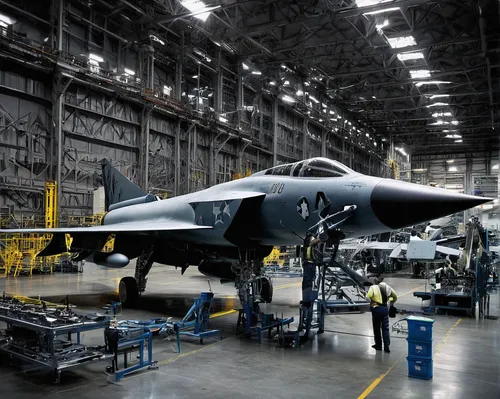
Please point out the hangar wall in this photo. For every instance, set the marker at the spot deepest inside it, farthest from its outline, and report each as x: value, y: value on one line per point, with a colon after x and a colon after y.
x: 172, y: 121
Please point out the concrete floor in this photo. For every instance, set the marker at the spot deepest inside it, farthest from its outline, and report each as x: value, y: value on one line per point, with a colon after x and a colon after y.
x: 337, y: 364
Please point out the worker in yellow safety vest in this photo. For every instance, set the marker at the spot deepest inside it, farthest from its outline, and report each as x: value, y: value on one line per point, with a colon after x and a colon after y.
x: 310, y: 257
x: 379, y: 295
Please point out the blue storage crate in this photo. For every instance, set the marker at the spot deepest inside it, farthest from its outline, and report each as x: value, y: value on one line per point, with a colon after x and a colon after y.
x: 419, y: 328
x: 420, y: 368
x: 421, y: 349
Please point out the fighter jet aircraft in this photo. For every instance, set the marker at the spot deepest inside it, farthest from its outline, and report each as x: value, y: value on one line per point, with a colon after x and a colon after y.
x: 227, y: 229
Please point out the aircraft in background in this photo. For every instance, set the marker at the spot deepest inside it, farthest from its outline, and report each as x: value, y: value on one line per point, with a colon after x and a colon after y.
x: 228, y: 228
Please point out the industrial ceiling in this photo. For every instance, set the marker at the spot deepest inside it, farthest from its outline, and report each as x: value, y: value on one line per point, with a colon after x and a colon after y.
x: 423, y: 74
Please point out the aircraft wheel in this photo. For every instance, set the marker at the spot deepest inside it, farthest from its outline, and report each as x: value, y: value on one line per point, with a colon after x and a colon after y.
x: 128, y: 291
x: 267, y: 290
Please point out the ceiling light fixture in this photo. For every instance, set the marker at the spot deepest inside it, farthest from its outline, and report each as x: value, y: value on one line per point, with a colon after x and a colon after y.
x: 245, y: 66
x: 438, y: 96
x: 198, y: 8
x: 402, y: 41
x: 438, y: 114
x: 410, y: 56
x: 258, y: 73
x: 314, y: 99
x: 420, y: 74
x: 288, y: 99
x: 382, y: 11
x: 382, y: 25
x: 458, y: 141
x: 453, y: 136
x: 299, y: 93
x: 437, y: 105
x: 432, y: 82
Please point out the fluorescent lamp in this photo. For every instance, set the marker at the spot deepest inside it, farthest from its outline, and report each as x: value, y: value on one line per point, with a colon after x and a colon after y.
x: 420, y: 74
x: 367, y: 3
x: 167, y: 90
x: 299, y: 93
x: 495, y: 166
x: 195, y: 76
x: 258, y: 73
x: 197, y: 6
x: 439, y: 96
x: 95, y: 57
x: 6, y: 20
x: 129, y: 71
x: 437, y: 105
x: 438, y: 114
x: 222, y: 119
x: 288, y: 99
x: 432, y: 82
x: 382, y: 11
x: 272, y: 83
x: 245, y: 66
x: 323, y: 105
x: 452, y: 169
x: 314, y: 99
x: 410, y: 56
x: 450, y: 160
x: 382, y: 25
x: 458, y: 141
x: 453, y: 136
x: 454, y: 122
x: 402, y: 41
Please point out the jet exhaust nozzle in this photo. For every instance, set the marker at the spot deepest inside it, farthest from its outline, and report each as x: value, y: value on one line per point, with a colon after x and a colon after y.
x: 399, y: 204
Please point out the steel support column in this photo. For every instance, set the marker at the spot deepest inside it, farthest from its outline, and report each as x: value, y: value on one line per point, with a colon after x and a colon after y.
x: 275, y: 132
x: 178, y: 71
x: 177, y: 175
x: 145, y: 127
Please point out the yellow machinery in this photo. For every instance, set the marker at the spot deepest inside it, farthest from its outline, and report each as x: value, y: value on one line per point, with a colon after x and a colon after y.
x: 393, y: 165
x: 50, y: 204
x: 18, y: 252
x: 275, y: 258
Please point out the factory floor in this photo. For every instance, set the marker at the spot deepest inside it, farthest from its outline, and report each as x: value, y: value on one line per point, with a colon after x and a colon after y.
x: 337, y: 364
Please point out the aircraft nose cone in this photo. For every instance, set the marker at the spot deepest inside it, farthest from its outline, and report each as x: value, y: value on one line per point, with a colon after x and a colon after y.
x: 398, y: 204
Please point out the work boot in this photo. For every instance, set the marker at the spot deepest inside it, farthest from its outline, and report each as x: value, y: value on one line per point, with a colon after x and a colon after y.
x: 387, y: 350
x: 378, y: 348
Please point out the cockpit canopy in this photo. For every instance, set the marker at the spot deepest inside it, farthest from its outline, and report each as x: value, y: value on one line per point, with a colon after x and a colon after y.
x: 314, y: 167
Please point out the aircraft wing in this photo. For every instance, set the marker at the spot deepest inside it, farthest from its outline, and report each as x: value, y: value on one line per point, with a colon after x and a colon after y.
x: 439, y: 248
x: 132, y: 227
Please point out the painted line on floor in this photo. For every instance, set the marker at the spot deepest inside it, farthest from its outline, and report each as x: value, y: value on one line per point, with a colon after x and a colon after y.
x: 280, y: 287
x: 443, y: 341
x: 412, y: 290
x: 377, y: 380
x: 223, y: 313
x: 167, y: 361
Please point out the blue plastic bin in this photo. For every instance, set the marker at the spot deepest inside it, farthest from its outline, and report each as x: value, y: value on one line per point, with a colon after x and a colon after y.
x: 421, y: 349
x: 419, y: 328
x: 420, y: 368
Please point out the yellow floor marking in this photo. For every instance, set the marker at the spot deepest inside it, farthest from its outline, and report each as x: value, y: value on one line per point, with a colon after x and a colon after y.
x: 412, y: 290
x: 222, y: 313
x: 446, y: 337
x: 280, y: 287
x: 377, y: 380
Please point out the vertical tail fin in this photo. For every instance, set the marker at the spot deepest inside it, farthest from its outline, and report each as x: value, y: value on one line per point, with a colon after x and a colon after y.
x: 117, y: 187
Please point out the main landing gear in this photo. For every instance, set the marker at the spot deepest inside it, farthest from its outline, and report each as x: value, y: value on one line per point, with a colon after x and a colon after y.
x: 131, y: 288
